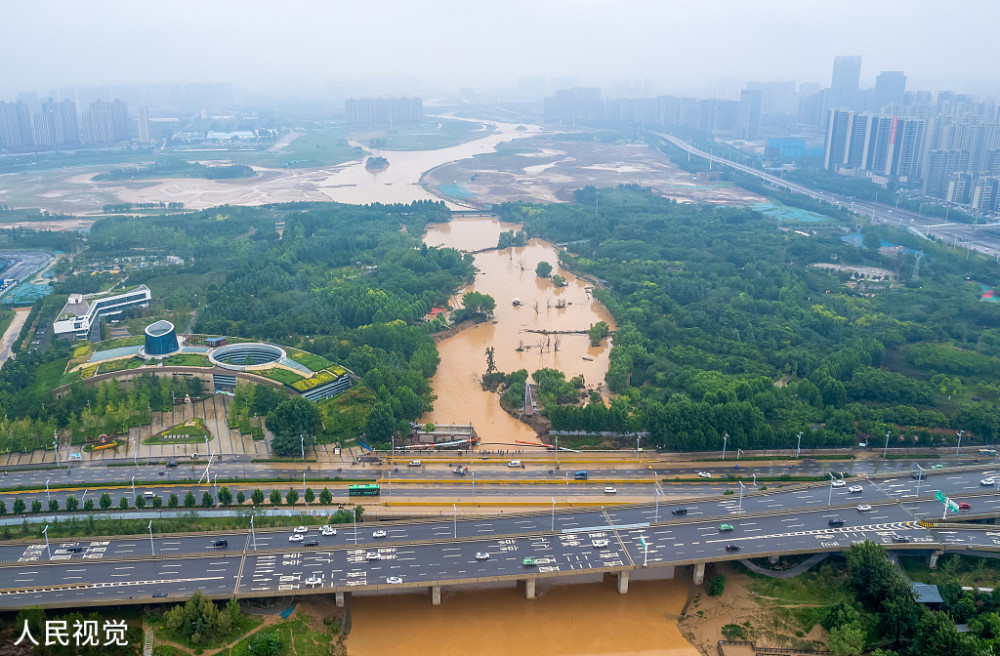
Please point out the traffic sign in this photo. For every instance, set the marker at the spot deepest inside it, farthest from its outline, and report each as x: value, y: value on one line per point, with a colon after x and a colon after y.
x: 939, y: 495
x: 952, y: 506
x: 642, y: 541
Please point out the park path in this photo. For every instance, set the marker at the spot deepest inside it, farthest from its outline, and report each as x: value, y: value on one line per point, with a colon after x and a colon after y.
x: 13, y: 331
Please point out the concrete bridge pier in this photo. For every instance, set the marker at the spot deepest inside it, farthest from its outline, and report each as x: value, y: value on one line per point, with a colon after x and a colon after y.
x: 529, y: 588
x: 339, y: 597
x: 773, y: 559
x: 699, y: 573
x: 435, y: 595
x: 622, y: 582
x: 932, y: 559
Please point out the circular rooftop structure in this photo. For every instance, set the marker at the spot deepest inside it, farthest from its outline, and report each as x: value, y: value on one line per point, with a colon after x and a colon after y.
x: 161, y: 339
x: 240, y: 357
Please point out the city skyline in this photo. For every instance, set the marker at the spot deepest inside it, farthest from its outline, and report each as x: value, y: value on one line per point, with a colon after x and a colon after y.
x: 309, y: 44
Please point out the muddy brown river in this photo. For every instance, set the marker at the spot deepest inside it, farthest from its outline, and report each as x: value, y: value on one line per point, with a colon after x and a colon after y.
x: 506, y: 275
x: 589, y: 619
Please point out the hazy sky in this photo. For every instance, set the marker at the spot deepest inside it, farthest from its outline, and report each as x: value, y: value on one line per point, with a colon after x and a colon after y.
x: 679, y: 44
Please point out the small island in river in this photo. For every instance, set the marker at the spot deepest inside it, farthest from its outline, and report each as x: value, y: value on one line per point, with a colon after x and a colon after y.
x: 376, y: 163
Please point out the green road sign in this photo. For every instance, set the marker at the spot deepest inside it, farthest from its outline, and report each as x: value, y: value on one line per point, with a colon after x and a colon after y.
x: 939, y: 495
x: 952, y: 506
x: 642, y: 541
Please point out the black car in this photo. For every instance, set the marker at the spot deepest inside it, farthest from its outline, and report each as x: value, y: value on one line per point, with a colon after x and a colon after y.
x: 172, y: 463
x: 221, y: 543
x: 900, y: 538
x: 836, y: 521
x: 732, y: 547
x: 679, y: 511
x: 76, y: 549
x: 312, y: 543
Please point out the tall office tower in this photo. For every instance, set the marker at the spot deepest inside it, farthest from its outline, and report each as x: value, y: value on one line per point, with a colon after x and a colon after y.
x: 777, y: 97
x: 844, y: 86
x: 890, y: 89
x: 811, y: 110
x: 750, y: 108
x: 838, y: 130
x: 143, y: 112
x: 119, y: 120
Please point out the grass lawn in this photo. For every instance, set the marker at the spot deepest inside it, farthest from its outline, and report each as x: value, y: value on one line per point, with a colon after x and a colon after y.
x: 49, y: 375
x: 314, y: 362
x: 192, y: 431
x: 297, y: 631
x: 281, y: 375
x: 187, y: 360
x: 120, y: 365
x: 822, y: 585
x: 436, y: 133
x: 309, y: 150
x: 6, y: 317
x: 118, y: 343
x: 244, y: 624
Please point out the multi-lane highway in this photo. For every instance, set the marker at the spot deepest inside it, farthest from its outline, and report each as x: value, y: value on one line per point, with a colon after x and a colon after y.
x: 444, y: 550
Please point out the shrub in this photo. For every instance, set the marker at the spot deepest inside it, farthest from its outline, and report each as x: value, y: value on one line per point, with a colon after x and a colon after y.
x: 716, y: 585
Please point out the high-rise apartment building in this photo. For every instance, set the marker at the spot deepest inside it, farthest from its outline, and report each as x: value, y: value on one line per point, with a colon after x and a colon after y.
x: 838, y: 130
x: 15, y: 126
x: 143, y: 113
x: 105, y: 123
x: 391, y: 111
x: 845, y: 83
x: 750, y: 109
x: 890, y: 89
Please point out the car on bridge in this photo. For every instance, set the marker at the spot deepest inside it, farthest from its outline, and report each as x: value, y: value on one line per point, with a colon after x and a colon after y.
x: 725, y: 528
x: 610, y: 490
x: 295, y: 537
x: 987, y: 481
x: 394, y: 580
x: 835, y: 521
x: 379, y: 534
x: 599, y: 544
x: 965, y: 506
x: 74, y: 548
x: 838, y: 483
x: 373, y: 555
x: 413, y: 463
x: 482, y: 555
x: 157, y: 595
x: 327, y: 531
x: 900, y: 538
x: 732, y: 547
x: 220, y: 543
x: 854, y: 489
x: 679, y: 511
x: 313, y: 580
x: 312, y: 543
x: 704, y: 474
x: 864, y: 507
x: 529, y: 562
x: 300, y: 529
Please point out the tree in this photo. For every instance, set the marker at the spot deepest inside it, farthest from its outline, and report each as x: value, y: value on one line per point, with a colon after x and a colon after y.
x: 380, y: 423
x: 36, y: 506
x: 88, y: 505
x: 292, y: 497
x: 173, y: 501
x: 257, y: 497
x: 140, y: 502
x: 53, y: 505
x: 598, y: 332
x: 275, y: 497
x: 18, y: 506
x: 105, y: 501
x: 325, y: 497
x: 559, y: 281
x: 157, y: 502
x: 872, y: 577
x: 847, y: 640
x: 207, y: 501
x: 936, y: 636
x: 189, y: 500
x: 240, y: 498
x: 72, y: 503
x: 543, y: 269
x: 123, y: 503
x: 225, y: 496
x: 716, y: 585
x: 3, y: 508
x: 310, y: 496
x: 293, y: 421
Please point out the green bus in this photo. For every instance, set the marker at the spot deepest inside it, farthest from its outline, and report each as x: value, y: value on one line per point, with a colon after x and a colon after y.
x: 365, y: 490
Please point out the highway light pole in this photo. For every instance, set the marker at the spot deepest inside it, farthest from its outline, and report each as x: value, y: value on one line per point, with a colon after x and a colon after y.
x: 133, y: 490
x: 45, y: 532
x: 725, y: 440
x: 302, y: 444
x: 829, y: 501
x: 135, y: 453
x: 253, y: 533
x: 886, y: 449
x: 454, y: 510
x: 48, y: 497
x: 798, y: 447
x: 656, y: 517
x: 740, y: 511
x: 738, y: 453
x: 473, y: 486
x: 553, y: 515
x: 55, y: 446
x: 208, y: 447
x: 920, y: 478
x: 151, y: 547
x: 960, y: 433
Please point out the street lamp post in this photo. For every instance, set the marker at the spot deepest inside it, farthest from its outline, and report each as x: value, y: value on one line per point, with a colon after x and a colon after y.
x: 152, y: 547
x: 388, y: 486
x: 886, y: 449
x: 553, y: 515
x: 798, y: 446
x: 920, y: 478
x: 738, y: 453
x: 302, y: 444
x: 133, y: 490
x: 829, y: 501
x: 454, y: 510
x: 473, y: 486
x: 725, y: 440
x: 135, y: 453
x: 755, y: 479
x: 208, y: 447
x: 48, y: 497
x: 55, y: 446
x: 557, y: 450
x: 656, y: 517
x: 740, y: 512
x: 253, y: 533
x: 960, y: 433
x: 45, y: 532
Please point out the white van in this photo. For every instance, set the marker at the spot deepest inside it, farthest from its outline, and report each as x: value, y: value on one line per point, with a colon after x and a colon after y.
x: 514, y: 463
x: 413, y: 463
x: 148, y: 494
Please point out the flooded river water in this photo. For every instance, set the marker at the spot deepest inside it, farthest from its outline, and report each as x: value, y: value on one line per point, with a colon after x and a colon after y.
x: 589, y: 619
x: 506, y: 275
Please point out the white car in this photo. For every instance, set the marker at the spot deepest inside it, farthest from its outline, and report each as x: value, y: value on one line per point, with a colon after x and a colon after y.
x: 599, y: 544
x: 394, y: 580
x: 839, y: 483
x: 413, y: 463
x: 379, y: 534
x: 373, y: 555
x: 327, y: 531
x: 300, y: 529
x: 864, y: 507
x: 704, y: 474
x: 482, y: 555
x: 295, y: 537
x: 313, y: 580
x: 987, y: 481
x: 855, y: 489
x: 610, y: 490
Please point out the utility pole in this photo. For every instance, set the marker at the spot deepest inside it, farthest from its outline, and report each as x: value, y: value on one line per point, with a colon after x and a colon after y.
x: 48, y: 497
x: 798, y: 447
x: 960, y: 433
x: 152, y: 548
x: 829, y: 501
x: 725, y: 440
x: 302, y: 444
x: 886, y: 449
x: 740, y: 512
x: 45, y: 532
x: 920, y: 478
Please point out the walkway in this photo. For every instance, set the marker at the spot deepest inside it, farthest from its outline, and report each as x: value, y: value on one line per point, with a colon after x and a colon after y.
x: 789, y: 573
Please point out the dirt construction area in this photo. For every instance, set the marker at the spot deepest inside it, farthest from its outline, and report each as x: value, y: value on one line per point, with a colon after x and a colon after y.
x: 548, y: 168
